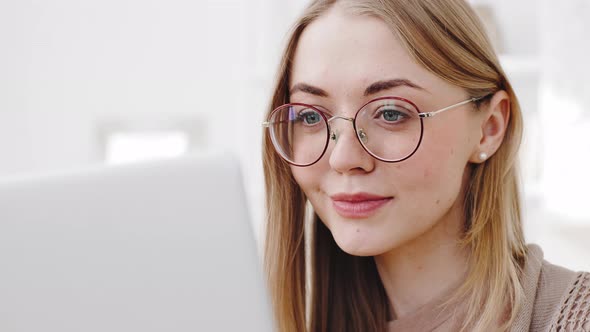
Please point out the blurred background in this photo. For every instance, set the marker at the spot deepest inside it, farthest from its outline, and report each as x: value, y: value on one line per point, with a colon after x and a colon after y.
x: 95, y: 82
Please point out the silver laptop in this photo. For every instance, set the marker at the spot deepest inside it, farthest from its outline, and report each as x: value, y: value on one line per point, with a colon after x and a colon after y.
x: 159, y: 246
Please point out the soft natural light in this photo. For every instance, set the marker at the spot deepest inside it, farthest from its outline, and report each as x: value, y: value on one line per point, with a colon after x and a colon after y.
x: 126, y: 147
x: 566, y: 157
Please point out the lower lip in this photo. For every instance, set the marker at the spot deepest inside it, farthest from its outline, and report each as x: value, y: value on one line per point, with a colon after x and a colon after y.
x: 359, y: 209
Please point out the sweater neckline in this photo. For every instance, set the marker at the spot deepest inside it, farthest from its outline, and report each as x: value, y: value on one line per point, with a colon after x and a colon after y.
x: 432, y: 314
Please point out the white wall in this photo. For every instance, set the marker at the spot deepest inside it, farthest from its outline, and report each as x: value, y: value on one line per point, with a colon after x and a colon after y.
x: 72, y: 70
x: 517, y: 24
x: 69, y: 66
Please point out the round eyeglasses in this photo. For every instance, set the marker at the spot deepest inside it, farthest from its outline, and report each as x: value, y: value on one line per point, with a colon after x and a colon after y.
x: 389, y: 128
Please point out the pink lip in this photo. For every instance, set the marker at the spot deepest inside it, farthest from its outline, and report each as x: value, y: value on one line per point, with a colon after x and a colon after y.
x: 357, y: 206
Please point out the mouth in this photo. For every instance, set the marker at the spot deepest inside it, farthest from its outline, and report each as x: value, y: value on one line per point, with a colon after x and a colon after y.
x: 358, y: 206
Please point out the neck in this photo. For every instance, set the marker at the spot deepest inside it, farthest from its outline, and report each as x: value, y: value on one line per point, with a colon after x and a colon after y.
x: 426, y: 268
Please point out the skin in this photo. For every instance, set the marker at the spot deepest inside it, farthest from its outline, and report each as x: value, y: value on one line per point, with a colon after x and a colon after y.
x: 414, y: 236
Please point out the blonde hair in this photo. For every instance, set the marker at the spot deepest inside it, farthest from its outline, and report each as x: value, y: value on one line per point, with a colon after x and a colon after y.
x: 345, y: 292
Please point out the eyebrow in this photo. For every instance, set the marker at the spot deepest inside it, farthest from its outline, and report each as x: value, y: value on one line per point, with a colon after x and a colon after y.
x: 370, y: 90
x: 312, y: 90
x: 390, y: 84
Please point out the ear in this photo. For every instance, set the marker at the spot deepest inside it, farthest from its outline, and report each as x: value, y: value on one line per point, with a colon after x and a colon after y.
x: 495, y: 115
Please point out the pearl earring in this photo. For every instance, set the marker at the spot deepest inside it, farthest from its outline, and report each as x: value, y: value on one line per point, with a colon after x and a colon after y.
x: 483, y: 156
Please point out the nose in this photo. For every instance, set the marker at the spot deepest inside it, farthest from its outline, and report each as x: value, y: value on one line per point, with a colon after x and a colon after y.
x: 347, y: 154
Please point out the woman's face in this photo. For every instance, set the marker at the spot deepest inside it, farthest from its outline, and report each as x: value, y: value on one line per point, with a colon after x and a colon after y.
x: 372, y: 207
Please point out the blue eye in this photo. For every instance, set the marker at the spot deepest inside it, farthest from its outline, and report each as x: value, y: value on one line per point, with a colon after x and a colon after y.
x: 310, y: 117
x: 392, y: 115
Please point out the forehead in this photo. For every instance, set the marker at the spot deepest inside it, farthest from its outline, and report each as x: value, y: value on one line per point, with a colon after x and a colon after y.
x: 343, y: 53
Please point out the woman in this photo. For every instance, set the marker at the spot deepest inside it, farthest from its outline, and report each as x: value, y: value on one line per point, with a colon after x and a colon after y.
x: 395, y: 121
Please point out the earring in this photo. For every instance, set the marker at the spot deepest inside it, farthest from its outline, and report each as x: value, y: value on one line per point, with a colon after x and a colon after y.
x: 483, y: 156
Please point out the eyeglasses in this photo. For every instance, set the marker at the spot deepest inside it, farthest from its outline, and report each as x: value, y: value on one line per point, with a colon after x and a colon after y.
x: 389, y: 128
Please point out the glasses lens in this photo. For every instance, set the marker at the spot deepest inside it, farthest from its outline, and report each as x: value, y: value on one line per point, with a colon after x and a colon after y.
x: 299, y: 133
x: 389, y: 129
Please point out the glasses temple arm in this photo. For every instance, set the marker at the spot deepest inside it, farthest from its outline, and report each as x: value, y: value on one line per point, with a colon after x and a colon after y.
x: 267, y: 124
x: 431, y: 114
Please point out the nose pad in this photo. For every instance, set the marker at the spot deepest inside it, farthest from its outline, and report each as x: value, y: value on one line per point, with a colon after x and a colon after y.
x: 333, y: 136
x: 349, y: 155
x: 363, y: 136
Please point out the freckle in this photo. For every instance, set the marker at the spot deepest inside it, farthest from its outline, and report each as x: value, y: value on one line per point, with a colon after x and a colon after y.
x: 420, y: 268
x: 358, y: 230
x: 438, y: 201
x: 452, y: 152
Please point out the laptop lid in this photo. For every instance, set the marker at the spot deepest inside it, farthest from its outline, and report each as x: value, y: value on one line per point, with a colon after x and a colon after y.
x: 159, y: 246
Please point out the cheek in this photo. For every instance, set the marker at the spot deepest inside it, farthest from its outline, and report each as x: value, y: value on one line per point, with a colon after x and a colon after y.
x: 308, y: 178
x: 433, y: 176
x: 311, y: 179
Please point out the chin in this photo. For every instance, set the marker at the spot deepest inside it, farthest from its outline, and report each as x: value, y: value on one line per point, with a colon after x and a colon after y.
x: 359, y: 250
x: 359, y: 243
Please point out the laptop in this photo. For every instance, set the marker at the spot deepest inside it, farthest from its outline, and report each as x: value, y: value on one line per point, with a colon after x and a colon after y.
x: 155, y: 246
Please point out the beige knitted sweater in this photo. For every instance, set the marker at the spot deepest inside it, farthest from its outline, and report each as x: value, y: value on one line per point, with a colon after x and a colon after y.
x: 556, y: 299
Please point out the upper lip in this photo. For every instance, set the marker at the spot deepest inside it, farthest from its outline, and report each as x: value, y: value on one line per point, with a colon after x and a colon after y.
x: 357, y: 197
